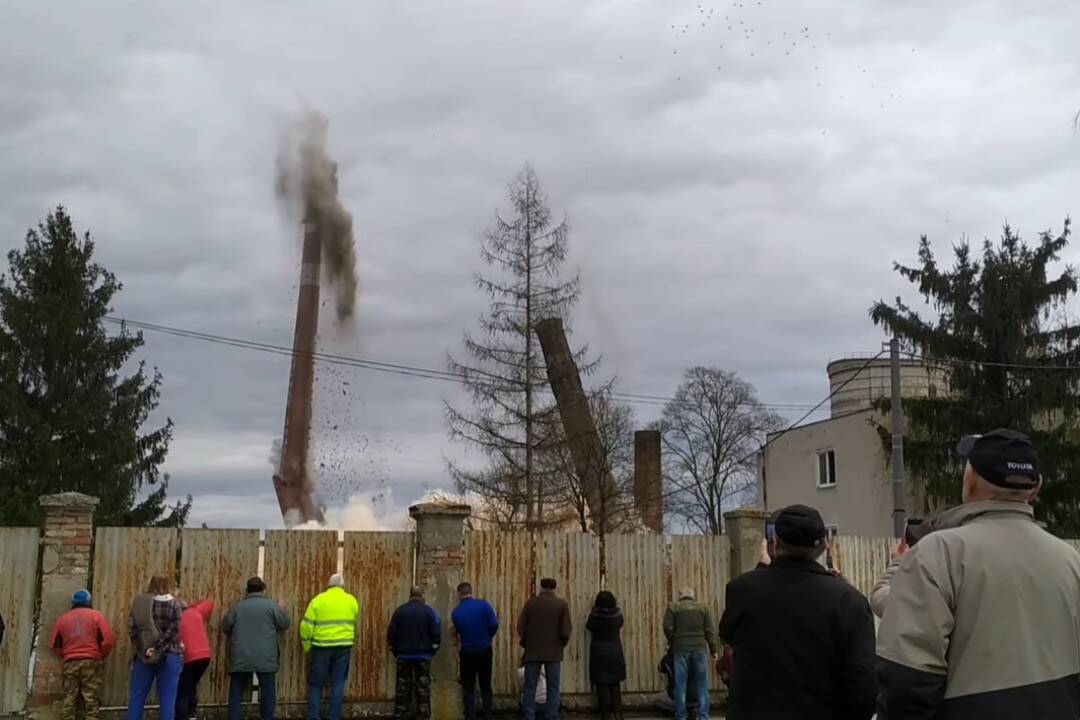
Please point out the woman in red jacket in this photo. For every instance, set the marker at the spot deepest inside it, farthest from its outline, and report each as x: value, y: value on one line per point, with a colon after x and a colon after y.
x: 196, y: 656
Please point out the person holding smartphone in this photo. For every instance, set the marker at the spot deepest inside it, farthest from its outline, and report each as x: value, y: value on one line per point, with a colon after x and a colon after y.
x: 914, y: 530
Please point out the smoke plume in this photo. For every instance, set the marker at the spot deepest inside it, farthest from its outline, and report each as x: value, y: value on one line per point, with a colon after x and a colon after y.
x: 308, y: 190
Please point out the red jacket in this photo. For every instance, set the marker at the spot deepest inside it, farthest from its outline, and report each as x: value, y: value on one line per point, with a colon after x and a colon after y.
x: 82, y: 634
x: 193, y: 631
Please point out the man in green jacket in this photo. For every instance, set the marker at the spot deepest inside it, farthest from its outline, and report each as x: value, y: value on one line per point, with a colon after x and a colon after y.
x: 689, y: 629
x: 328, y: 632
x: 253, y: 625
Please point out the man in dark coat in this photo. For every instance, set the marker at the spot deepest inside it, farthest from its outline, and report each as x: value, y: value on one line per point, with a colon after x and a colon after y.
x: 414, y: 635
x: 803, y: 639
x: 544, y: 628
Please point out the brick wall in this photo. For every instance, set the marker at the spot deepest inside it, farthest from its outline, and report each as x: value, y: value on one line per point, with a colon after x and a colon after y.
x: 65, y: 567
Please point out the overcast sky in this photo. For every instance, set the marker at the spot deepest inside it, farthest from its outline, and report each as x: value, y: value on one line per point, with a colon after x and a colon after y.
x: 738, y: 179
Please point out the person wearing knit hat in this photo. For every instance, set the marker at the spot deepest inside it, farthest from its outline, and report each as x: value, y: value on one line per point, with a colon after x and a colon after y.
x: 83, y: 639
x: 802, y: 639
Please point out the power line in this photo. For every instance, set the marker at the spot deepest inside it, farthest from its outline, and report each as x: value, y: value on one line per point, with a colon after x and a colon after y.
x: 379, y: 366
x: 988, y: 363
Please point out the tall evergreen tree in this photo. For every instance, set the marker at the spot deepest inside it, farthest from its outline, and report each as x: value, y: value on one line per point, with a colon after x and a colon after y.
x: 1011, y: 359
x: 70, y: 419
x: 513, y: 421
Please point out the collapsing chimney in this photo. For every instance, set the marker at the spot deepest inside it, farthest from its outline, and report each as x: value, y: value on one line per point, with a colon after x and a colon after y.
x: 648, y: 479
x: 293, y: 483
x: 581, y: 436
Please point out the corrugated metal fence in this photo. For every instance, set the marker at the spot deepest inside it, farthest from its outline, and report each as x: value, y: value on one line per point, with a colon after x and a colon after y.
x: 215, y: 564
x: 18, y: 589
x: 124, y: 561
x: 643, y: 571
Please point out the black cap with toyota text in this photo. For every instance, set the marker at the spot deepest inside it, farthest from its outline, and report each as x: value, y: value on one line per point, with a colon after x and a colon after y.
x: 1002, y: 457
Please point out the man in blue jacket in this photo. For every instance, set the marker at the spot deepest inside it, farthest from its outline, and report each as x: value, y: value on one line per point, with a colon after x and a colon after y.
x: 413, y: 636
x: 475, y: 624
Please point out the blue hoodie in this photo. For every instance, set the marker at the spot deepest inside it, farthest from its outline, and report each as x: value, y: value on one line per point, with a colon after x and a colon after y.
x: 476, y: 623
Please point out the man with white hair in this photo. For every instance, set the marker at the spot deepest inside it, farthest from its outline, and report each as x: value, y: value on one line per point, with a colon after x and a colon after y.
x: 328, y: 633
x: 983, y: 618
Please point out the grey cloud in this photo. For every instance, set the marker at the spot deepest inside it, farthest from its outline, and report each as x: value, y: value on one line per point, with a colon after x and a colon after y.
x: 744, y: 216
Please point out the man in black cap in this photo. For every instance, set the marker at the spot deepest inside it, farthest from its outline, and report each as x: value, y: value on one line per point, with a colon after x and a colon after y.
x: 803, y: 639
x: 983, y: 618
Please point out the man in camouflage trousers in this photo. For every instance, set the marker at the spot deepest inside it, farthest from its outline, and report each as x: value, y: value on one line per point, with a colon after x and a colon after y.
x: 83, y: 639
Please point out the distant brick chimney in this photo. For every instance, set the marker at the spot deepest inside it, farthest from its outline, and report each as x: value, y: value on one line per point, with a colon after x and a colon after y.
x: 648, y: 479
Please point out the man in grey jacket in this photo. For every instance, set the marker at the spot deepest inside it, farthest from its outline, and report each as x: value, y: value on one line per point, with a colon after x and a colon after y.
x: 253, y: 626
x: 982, y: 618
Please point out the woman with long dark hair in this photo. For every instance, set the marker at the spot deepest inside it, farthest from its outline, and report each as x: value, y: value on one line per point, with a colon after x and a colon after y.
x: 607, y: 664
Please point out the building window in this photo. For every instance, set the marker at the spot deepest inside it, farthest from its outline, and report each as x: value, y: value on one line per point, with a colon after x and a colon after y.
x: 826, y: 468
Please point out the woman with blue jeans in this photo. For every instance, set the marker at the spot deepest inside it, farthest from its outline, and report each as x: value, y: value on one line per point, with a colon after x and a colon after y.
x: 154, y: 627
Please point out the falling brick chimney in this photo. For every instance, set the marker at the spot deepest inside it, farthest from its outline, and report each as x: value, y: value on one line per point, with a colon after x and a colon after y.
x: 292, y: 483
x: 585, y: 447
x: 648, y: 480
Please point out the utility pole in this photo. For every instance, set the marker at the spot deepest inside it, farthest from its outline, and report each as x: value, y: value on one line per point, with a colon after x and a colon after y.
x: 899, y: 496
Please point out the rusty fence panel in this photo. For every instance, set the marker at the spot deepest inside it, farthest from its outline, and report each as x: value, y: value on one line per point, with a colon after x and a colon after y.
x: 497, y: 565
x: 862, y: 560
x: 378, y: 569
x: 215, y: 565
x: 701, y: 562
x: 638, y: 574
x: 573, y: 560
x: 124, y: 560
x: 18, y: 590
x: 297, y: 565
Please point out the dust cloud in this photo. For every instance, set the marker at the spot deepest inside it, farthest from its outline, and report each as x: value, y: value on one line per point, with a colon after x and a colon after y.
x: 307, y: 188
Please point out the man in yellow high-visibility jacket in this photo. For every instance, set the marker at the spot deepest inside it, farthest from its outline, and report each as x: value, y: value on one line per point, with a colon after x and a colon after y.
x: 328, y: 633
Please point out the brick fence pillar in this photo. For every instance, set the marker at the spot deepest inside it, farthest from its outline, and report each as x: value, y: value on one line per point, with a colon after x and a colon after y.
x: 65, y: 568
x: 440, y: 566
x: 745, y: 529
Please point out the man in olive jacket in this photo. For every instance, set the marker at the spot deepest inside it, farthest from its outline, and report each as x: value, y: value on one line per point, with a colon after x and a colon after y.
x: 544, y: 628
x: 689, y: 629
x: 253, y: 626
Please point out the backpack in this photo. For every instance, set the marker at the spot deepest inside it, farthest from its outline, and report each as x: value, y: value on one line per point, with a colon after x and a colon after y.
x: 147, y: 633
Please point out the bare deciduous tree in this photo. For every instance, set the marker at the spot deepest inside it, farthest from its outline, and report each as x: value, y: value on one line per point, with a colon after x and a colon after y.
x: 615, y: 424
x: 711, y: 432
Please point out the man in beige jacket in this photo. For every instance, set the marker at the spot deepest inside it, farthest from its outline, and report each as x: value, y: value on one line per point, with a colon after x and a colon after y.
x: 983, y: 617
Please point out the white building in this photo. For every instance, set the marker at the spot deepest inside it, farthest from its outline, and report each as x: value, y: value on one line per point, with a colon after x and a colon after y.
x: 838, y: 465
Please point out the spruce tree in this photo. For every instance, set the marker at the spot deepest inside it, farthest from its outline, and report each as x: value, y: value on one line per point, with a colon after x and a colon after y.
x: 1002, y: 336
x: 71, y: 417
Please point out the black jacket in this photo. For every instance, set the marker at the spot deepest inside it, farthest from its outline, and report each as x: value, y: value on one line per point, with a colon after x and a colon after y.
x: 415, y: 631
x: 607, y: 664
x: 803, y: 642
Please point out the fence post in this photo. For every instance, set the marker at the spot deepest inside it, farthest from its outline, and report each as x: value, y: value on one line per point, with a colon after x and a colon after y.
x: 440, y: 566
x: 745, y: 530
x: 65, y: 568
